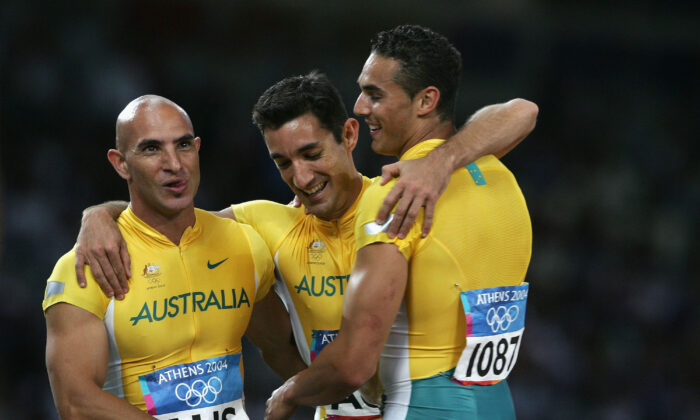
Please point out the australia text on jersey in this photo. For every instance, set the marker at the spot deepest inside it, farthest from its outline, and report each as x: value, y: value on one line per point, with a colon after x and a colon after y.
x: 324, y: 285
x: 171, y: 306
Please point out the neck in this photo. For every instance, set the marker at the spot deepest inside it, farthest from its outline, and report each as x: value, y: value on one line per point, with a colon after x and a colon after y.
x: 434, y: 129
x: 172, y: 226
x: 354, y: 189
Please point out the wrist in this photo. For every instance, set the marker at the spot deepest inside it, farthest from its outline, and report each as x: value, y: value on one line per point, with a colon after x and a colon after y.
x: 287, y: 393
x: 95, y: 211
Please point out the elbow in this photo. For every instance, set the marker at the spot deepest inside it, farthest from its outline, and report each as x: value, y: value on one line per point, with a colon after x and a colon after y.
x: 353, y: 376
x: 71, y: 408
x: 527, y: 111
x: 75, y: 404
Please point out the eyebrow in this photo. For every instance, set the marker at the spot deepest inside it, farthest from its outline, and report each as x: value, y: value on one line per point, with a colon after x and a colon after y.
x: 154, y: 142
x: 370, y: 87
x: 302, y: 149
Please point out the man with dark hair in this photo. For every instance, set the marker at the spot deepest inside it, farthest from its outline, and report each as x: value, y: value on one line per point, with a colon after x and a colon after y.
x: 426, y: 58
x: 172, y: 347
x: 313, y: 246
x: 410, y: 300
x: 298, y: 95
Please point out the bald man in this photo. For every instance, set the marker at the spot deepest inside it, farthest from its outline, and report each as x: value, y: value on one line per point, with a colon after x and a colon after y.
x: 172, y: 347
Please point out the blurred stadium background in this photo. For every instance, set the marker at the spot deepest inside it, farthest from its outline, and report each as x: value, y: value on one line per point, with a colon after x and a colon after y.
x: 610, y: 173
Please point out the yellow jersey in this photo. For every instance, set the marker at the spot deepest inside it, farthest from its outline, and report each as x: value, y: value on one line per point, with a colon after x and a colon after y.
x: 481, y: 238
x: 314, y: 259
x: 175, y: 339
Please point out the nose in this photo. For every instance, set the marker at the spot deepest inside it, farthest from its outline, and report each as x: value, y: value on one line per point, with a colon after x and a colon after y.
x: 302, y: 175
x: 361, y: 108
x: 171, y: 160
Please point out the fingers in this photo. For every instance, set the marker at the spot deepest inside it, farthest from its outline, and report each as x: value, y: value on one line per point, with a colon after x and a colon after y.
x: 428, y: 219
x: 80, y: 262
x: 411, y: 216
x: 389, y: 202
x: 126, y: 261
x: 99, y: 276
x: 389, y: 172
x: 399, y: 215
x: 120, y: 279
x: 105, y: 259
x: 114, y: 270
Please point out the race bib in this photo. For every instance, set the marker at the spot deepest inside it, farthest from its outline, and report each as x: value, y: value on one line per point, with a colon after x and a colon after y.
x: 207, y: 389
x: 354, y: 407
x: 319, y: 340
x: 495, y: 324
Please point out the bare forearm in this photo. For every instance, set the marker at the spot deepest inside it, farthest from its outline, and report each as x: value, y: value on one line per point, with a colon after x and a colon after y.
x: 494, y: 129
x: 97, y: 405
x: 113, y: 208
x: 325, y: 382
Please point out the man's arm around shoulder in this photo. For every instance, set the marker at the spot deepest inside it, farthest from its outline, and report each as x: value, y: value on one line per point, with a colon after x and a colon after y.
x: 76, y: 371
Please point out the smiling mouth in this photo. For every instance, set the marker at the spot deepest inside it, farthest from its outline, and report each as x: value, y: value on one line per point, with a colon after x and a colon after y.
x: 311, y: 193
x: 373, y: 128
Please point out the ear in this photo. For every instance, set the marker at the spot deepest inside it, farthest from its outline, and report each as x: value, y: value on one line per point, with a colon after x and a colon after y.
x: 197, y: 143
x: 426, y: 100
x: 117, y: 160
x: 351, y: 130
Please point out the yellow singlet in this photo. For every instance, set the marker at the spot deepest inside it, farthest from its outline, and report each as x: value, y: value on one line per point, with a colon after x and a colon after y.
x: 314, y: 259
x: 481, y: 238
x: 175, y: 339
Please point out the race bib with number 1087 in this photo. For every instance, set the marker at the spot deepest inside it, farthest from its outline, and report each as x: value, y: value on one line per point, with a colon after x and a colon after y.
x: 495, y: 324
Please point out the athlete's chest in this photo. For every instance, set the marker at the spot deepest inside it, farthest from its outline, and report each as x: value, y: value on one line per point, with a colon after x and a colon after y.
x: 316, y: 262
x: 183, y: 298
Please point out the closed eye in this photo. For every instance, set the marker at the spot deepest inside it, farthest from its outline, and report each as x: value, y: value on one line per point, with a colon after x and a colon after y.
x: 282, y: 164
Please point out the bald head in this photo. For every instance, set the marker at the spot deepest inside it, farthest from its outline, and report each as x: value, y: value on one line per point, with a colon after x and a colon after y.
x: 146, y: 109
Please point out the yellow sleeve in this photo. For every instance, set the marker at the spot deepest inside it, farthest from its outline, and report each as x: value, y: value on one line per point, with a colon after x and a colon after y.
x: 264, y: 266
x: 367, y: 231
x: 62, y: 286
x: 271, y: 220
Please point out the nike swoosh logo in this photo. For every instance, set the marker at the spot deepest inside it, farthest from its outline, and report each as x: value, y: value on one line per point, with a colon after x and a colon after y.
x: 213, y: 266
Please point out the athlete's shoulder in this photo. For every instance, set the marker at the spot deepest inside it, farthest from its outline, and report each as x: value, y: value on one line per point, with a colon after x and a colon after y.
x: 273, y: 221
x: 488, y: 171
x: 208, y: 219
x: 256, y: 241
x: 489, y: 162
x: 257, y: 211
x: 66, y: 260
x: 374, y: 193
x: 62, y: 286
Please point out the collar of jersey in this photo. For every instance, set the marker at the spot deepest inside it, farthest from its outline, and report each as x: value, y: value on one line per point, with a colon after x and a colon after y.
x: 348, y: 218
x: 421, y: 149
x: 132, y: 221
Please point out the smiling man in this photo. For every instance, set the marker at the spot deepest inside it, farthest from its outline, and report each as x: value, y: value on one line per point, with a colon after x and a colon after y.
x: 425, y: 307
x: 311, y: 139
x: 172, y: 347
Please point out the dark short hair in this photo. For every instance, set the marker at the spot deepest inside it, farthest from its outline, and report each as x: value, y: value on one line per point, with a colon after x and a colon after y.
x: 427, y: 59
x: 297, y: 95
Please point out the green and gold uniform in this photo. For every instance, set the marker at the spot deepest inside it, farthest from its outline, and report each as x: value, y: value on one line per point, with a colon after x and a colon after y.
x: 481, y: 239
x: 314, y: 259
x: 175, y: 339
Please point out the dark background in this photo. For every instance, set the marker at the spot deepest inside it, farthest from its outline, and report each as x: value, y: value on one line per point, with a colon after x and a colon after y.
x: 610, y: 172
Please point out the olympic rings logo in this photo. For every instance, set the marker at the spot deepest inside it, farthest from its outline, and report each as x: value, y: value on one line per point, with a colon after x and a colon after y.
x: 199, y: 391
x: 500, y: 318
